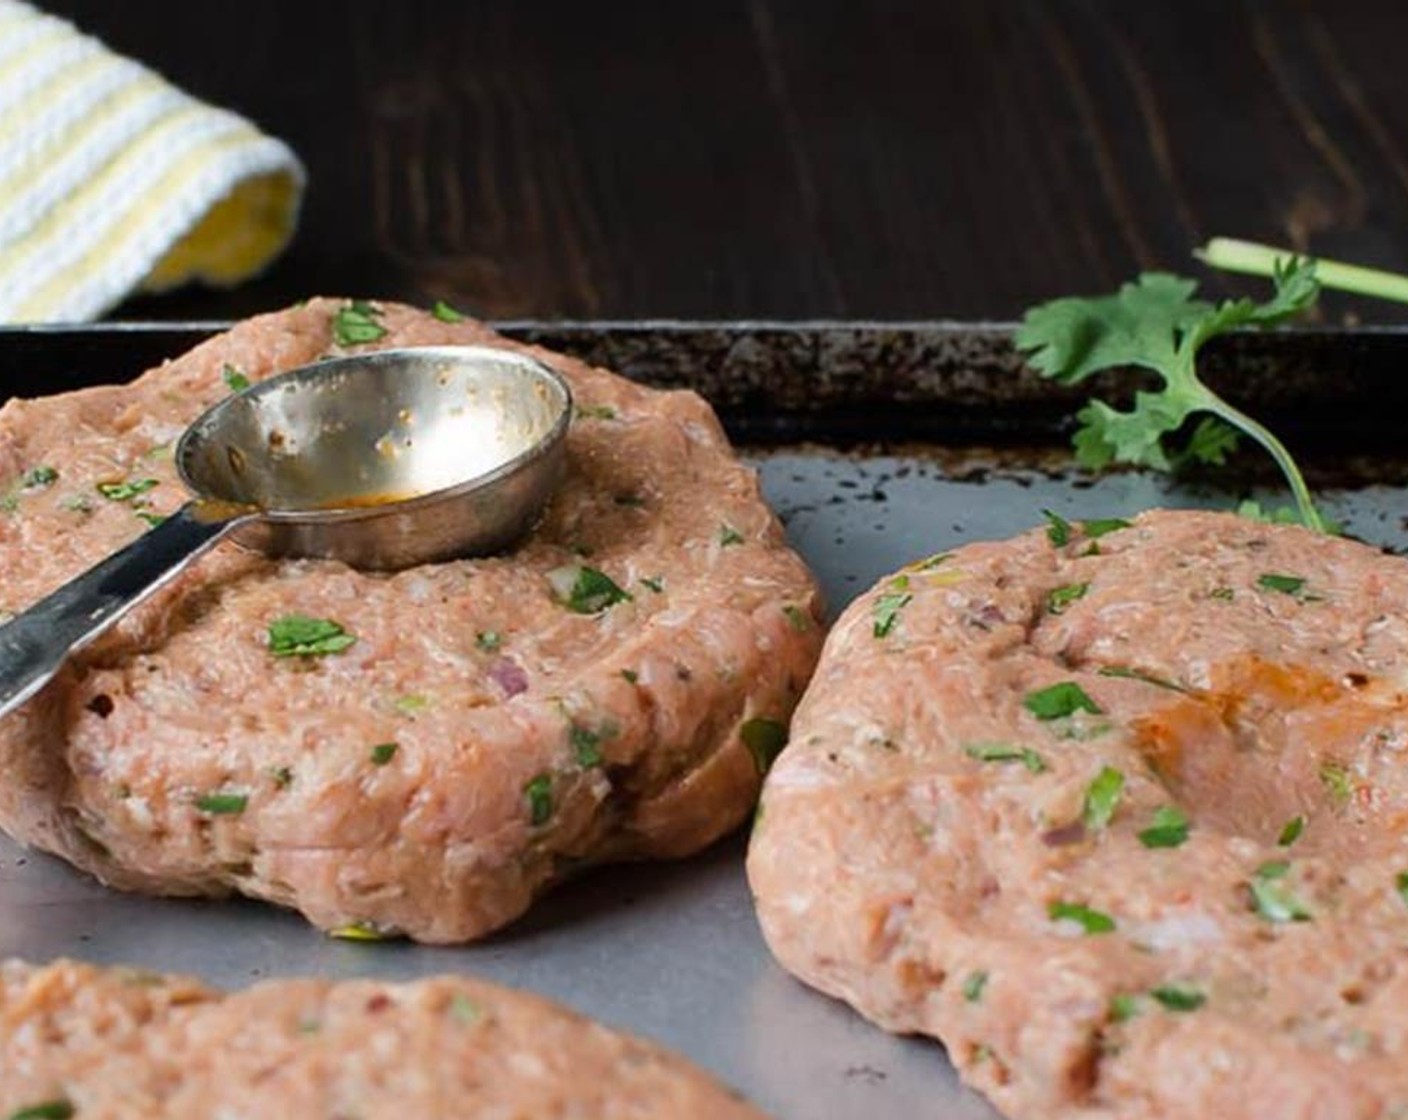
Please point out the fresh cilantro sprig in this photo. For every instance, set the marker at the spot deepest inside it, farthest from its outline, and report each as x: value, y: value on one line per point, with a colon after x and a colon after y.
x: 1155, y: 323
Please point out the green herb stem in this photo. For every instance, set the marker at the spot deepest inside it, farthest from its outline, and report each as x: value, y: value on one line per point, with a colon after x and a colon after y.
x: 1254, y: 259
x: 1305, y: 504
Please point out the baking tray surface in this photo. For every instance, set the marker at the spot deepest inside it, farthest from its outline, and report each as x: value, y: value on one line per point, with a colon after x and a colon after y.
x: 669, y: 951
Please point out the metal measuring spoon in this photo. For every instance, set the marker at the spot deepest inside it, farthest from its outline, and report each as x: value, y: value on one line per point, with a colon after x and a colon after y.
x: 383, y: 460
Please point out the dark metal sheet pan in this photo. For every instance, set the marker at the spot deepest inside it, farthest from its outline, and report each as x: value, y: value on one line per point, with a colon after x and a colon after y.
x: 876, y: 443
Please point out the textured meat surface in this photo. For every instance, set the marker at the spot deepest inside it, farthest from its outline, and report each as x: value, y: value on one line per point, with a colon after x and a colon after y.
x: 1124, y: 822
x: 116, y: 1043
x: 476, y: 741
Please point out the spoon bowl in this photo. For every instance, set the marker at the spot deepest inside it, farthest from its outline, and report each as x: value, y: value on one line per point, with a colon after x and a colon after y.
x: 388, y: 459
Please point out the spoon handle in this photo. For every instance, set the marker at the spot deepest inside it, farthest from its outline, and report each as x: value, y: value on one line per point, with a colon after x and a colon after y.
x: 35, y: 644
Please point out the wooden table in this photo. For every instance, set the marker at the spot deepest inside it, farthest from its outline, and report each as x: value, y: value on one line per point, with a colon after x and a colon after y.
x: 794, y: 158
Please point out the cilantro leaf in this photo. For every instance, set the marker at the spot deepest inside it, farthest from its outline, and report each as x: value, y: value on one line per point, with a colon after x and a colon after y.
x: 357, y: 324
x: 1060, y: 700
x: 887, y: 609
x: 1102, y: 798
x: 1156, y: 324
x: 1169, y: 829
x: 235, y: 379
x: 585, y: 590
x: 1058, y: 529
x: 1098, y: 527
x: 1272, y: 898
x: 1291, y: 831
x: 61, y: 1108
x: 383, y: 753
x: 222, y: 804
x: 586, y: 742
x: 445, y: 313
x: 1092, y: 921
x: 538, y: 793
x: 1179, y: 997
x: 1339, y: 783
x: 296, y: 635
x: 1005, y: 752
x: 973, y: 985
x: 125, y: 491
x: 1059, y: 598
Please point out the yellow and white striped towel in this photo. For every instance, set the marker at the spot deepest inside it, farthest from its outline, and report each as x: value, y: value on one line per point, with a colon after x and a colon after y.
x: 113, y: 181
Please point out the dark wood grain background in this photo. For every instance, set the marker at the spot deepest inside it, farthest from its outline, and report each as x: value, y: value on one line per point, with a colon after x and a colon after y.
x: 794, y: 158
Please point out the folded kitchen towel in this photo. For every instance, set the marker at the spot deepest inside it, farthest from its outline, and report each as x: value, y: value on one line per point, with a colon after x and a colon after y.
x: 113, y: 181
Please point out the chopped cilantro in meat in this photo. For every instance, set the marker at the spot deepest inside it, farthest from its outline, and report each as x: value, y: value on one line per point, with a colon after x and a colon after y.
x: 1123, y: 1007
x: 1059, y: 700
x: 797, y: 618
x: 585, y: 590
x: 58, y: 1109
x: 296, y: 635
x: 1102, y: 798
x: 1007, y: 752
x: 235, y: 380
x: 887, y: 608
x: 1272, y: 898
x: 728, y: 535
x: 125, y: 491
x: 1338, y: 781
x: 411, y: 703
x: 1091, y: 921
x: 1291, y: 831
x: 1168, y: 830
x: 383, y: 753
x: 488, y: 640
x: 1101, y: 525
x: 587, y: 743
x: 539, y: 795
x: 1059, y: 598
x: 1179, y: 997
x: 1058, y: 529
x: 445, y: 313
x: 973, y: 985
x: 464, y: 1010
x: 357, y: 324
x: 38, y: 477
x: 222, y: 804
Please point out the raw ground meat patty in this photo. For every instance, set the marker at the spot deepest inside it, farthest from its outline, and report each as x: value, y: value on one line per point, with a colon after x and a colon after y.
x: 487, y: 731
x: 112, y: 1044
x: 1123, y: 821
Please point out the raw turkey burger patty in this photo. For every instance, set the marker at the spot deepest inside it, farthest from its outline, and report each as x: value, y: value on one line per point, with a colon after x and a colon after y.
x: 607, y: 691
x: 1122, y: 821
x: 111, y: 1044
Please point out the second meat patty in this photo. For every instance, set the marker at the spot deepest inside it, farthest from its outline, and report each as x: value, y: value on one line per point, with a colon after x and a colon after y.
x: 1118, y: 812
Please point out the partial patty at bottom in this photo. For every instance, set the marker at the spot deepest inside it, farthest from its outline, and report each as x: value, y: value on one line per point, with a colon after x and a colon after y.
x: 442, y: 743
x: 1120, y: 814
x: 112, y: 1044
